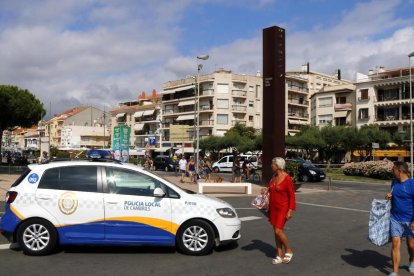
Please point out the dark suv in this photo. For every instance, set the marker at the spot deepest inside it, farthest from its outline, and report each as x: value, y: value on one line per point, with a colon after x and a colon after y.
x: 164, y: 162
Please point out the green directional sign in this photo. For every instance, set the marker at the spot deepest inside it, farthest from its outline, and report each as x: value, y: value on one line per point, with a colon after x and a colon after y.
x: 120, y: 142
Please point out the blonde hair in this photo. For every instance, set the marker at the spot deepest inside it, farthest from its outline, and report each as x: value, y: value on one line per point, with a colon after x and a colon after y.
x: 279, y: 162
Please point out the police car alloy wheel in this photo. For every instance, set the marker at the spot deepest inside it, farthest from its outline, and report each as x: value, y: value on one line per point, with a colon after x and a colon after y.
x: 195, y: 237
x: 37, y: 237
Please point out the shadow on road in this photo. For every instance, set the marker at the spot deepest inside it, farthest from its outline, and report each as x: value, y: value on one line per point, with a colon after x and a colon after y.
x: 267, y: 249
x: 367, y: 258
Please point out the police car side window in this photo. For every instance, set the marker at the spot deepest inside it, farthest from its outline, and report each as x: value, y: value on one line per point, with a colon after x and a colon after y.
x: 78, y: 178
x: 125, y: 182
x: 74, y: 178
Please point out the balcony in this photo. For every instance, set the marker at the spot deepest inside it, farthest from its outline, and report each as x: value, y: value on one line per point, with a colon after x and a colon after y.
x: 206, y: 123
x: 239, y: 108
x: 239, y: 93
x: 207, y: 93
x: 298, y: 89
x: 343, y: 107
x: 298, y: 115
x: 206, y: 108
x: 238, y: 121
x: 298, y: 101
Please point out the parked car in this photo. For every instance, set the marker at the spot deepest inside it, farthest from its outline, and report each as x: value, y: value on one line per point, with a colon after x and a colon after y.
x: 308, y: 172
x: 164, y: 162
x: 225, y: 164
x: 105, y: 202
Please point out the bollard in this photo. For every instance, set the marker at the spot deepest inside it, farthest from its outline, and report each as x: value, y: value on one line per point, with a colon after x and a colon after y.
x: 329, y: 183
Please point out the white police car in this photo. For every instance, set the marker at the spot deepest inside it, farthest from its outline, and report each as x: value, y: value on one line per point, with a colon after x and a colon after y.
x: 109, y: 203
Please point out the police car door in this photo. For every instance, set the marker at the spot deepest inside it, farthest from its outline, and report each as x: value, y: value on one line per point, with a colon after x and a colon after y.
x: 73, y: 197
x: 132, y: 212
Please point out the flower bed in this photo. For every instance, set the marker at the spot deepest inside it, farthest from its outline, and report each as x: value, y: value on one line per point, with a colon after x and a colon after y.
x: 374, y: 169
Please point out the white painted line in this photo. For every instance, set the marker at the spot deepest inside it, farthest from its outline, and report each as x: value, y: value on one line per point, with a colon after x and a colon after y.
x: 334, y: 207
x: 250, y: 218
x: 4, y: 246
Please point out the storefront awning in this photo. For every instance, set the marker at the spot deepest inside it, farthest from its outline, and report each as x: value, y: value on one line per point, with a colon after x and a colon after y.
x: 183, y: 103
x: 148, y: 112
x: 297, y: 122
x: 185, y: 117
x: 119, y: 115
x: 138, y: 127
x: 138, y: 114
x: 186, y: 150
x: 340, y: 114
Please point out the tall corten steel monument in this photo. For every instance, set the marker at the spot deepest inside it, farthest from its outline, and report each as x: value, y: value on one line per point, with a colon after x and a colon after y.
x: 274, y: 63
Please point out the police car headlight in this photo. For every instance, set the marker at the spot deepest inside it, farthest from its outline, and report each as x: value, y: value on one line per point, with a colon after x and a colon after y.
x: 226, y: 212
x: 312, y: 172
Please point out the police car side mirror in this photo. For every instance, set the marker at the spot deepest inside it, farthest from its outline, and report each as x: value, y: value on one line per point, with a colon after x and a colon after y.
x: 158, y: 192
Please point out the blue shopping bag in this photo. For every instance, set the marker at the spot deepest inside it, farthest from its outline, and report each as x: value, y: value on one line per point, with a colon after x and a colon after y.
x: 379, y: 222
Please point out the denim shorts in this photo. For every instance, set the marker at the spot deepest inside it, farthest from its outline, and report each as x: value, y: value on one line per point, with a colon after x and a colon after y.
x: 401, y: 229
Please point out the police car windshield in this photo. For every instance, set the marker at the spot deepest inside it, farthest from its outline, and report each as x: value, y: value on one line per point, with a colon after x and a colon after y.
x: 175, y: 186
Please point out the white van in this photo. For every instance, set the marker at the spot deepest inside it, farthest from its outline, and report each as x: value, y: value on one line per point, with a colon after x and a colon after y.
x: 225, y: 164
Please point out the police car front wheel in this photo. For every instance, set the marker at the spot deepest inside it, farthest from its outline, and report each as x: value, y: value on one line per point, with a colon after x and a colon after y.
x: 37, y: 237
x: 196, y: 237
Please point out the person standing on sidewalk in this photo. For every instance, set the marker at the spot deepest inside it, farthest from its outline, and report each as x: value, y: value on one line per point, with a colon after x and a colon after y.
x: 183, y: 167
x: 402, y: 215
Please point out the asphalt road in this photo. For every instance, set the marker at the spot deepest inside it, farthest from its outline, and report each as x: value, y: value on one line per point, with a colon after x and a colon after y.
x: 328, y: 235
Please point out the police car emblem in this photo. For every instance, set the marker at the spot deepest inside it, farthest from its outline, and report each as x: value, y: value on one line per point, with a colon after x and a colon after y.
x: 33, y: 178
x: 68, y: 203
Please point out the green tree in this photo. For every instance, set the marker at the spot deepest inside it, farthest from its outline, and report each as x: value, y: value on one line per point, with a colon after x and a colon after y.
x: 18, y: 107
x: 242, y: 131
x: 371, y: 134
x: 309, y: 140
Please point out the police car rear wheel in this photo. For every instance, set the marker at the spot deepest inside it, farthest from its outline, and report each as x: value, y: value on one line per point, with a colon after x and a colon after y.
x: 196, y: 237
x: 37, y: 237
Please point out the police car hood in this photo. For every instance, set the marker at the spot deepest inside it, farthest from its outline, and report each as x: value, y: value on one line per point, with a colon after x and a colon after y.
x: 212, y: 200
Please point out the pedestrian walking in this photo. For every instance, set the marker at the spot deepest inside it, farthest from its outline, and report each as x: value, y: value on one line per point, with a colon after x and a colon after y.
x: 282, y: 203
x: 183, y: 167
x: 402, y: 215
x: 208, y: 169
x: 191, y: 169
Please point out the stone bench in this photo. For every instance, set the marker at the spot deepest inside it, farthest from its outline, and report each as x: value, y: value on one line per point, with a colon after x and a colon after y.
x: 247, y: 186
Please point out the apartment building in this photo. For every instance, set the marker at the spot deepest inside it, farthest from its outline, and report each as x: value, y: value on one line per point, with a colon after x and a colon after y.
x: 143, y: 116
x: 383, y: 99
x: 85, y: 116
x: 225, y: 99
x: 297, y: 104
x: 333, y: 105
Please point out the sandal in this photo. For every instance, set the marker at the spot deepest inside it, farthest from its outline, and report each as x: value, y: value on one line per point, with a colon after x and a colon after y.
x: 277, y: 260
x: 287, y: 258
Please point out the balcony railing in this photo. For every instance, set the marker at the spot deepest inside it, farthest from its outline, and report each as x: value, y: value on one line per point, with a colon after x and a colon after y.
x: 241, y: 108
x: 345, y: 106
x: 239, y: 93
x: 299, y: 89
x: 206, y: 122
x: 207, y: 92
x: 362, y: 118
x: 298, y: 101
x: 299, y: 114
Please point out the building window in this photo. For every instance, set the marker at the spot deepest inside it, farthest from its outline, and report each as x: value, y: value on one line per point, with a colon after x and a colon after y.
x: 340, y: 100
x: 222, y: 103
x: 250, y: 118
x: 363, y: 113
x: 222, y: 119
x: 364, y: 94
x: 325, y: 119
x: 325, y: 102
x: 258, y: 91
x: 251, y: 104
x: 222, y: 88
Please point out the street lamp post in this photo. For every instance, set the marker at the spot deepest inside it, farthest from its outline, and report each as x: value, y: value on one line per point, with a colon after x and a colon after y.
x: 197, y: 87
x: 411, y: 114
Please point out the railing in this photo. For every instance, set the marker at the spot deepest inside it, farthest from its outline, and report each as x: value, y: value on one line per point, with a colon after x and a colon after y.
x: 239, y: 93
x: 300, y: 115
x: 299, y: 89
x: 206, y: 107
x: 298, y: 101
x: 239, y: 108
x: 207, y: 92
x: 363, y: 118
x: 207, y: 123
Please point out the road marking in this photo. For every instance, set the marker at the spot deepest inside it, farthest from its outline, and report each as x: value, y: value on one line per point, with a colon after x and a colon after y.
x: 4, y: 246
x: 249, y: 218
x: 334, y: 207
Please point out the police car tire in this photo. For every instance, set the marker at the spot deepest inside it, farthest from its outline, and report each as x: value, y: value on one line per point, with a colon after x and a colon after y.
x: 47, y: 230
x: 204, y: 228
x: 305, y: 178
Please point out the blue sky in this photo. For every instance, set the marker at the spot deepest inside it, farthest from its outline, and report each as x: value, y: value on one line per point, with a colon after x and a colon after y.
x: 103, y: 52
